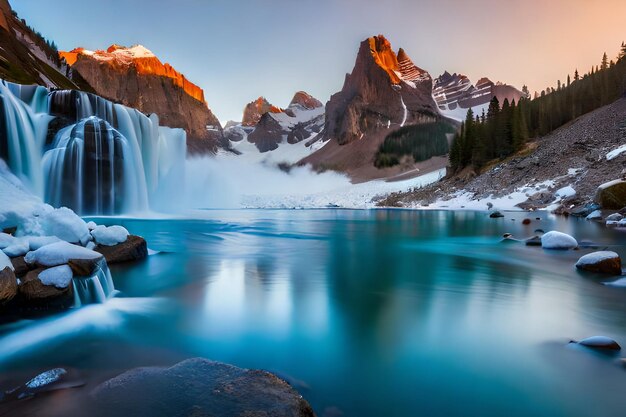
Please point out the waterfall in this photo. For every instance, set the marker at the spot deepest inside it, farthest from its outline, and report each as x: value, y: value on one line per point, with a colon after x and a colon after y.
x: 95, y: 289
x: 82, y: 151
x: 23, y: 132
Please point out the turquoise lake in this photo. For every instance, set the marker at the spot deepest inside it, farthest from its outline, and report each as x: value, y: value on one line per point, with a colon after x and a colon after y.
x: 366, y: 313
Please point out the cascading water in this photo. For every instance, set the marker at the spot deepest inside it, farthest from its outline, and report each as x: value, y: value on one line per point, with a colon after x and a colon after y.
x: 104, y: 158
x: 95, y: 289
x: 23, y: 131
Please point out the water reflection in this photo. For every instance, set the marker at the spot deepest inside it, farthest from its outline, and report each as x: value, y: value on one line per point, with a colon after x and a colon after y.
x: 392, y: 313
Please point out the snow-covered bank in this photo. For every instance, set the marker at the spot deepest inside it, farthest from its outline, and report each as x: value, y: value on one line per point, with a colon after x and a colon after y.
x: 237, y: 183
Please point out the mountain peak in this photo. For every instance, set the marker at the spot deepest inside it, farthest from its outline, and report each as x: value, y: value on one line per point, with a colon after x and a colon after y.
x: 385, y: 58
x: 305, y: 100
x: 254, y: 110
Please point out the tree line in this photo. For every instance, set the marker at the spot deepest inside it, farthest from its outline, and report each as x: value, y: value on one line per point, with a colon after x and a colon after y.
x: 505, y: 128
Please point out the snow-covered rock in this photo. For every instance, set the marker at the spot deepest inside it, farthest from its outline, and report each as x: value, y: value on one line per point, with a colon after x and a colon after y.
x: 109, y: 236
x: 603, y: 261
x: 558, y: 240
x: 566, y: 192
x: 91, y: 225
x: 614, y: 217
x: 59, y: 276
x: 20, y: 247
x: 595, y: 215
x: 37, y: 242
x: 66, y: 225
x: 59, y: 254
x: 621, y: 223
x: 5, y: 262
x: 6, y: 240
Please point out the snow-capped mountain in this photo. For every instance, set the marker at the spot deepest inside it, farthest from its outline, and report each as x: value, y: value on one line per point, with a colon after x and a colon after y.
x: 137, y: 78
x: 455, y: 94
x: 265, y: 127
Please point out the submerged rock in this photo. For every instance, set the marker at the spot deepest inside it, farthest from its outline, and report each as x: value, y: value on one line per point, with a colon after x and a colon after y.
x: 558, y: 240
x: 51, y: 380
x: 533, y: 241
x: 198, y: 387
x: 133, y: 249
x: 496, y: 215
x: 600, y: 342
x: 605, y: 262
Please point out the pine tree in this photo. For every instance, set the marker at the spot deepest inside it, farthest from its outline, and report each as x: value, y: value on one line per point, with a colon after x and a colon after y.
x: 576, y: 76
x: 569, y: 81
x: 605, y: 62
x: 622, y: 52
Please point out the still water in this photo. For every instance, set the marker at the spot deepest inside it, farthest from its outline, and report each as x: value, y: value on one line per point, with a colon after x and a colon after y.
x: 367, y: 313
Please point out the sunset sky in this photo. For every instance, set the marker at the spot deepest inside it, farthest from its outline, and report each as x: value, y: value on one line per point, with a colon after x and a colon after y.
x: 239, y: 50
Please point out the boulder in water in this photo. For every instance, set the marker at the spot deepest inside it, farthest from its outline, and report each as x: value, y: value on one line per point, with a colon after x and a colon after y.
x: 533, y: 241
x: 615, y: 217
x: 600, y: 342
x: 35, y: 292
x: 605, y: 262
x: 558, y: 240
x: 133, y: 249
x: 198, y: 387
x: 84, y: 267
x: 496, y: 215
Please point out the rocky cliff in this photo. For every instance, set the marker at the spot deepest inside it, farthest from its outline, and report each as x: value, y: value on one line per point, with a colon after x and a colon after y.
x: 136, y: 78
x: 27, y: 58
x: 384, y: 92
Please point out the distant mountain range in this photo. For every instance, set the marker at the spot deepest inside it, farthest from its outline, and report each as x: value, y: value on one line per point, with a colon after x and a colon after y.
x: 384, y: 92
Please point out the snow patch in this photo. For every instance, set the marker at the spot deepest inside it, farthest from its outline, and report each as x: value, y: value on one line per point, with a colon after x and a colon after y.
x: 615, y: 153
x: 59, y: 276
x: 5, y: 262
x: 59, y: 254
x: 109, y: 236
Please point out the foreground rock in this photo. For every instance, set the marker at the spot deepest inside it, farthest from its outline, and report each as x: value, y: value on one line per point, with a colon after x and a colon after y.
x: 134, y: 248
x: 600, y: 342
x: 37, y: 294
x: 198, y: 387
x: 611, y: 195
x: 558, y: 241
x: 51, y: 380
x: 605, y: 262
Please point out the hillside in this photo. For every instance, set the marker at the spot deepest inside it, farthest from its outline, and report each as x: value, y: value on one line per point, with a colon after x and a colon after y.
x: 574, y: 155
x: 27, y: 58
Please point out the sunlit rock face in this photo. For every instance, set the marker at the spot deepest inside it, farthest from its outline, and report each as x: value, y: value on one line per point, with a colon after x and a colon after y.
x: 136, y: 78
x: 383, y: 89
x: 256, y: 109
x: 305, y: 101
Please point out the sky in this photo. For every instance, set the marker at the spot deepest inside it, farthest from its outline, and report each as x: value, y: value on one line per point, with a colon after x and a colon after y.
x: 237, y: 50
